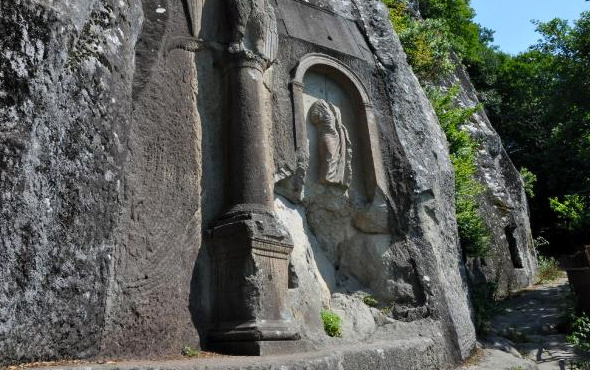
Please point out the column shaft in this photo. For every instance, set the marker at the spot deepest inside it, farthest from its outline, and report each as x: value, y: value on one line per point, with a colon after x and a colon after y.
x: 250, y: 156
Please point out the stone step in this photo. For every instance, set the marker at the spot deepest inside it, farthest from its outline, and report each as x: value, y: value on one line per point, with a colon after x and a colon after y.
x: 418, y: 353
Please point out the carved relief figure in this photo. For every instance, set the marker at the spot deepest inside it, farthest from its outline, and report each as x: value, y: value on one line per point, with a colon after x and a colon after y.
x: 254, y: 27
x: 334, y: 146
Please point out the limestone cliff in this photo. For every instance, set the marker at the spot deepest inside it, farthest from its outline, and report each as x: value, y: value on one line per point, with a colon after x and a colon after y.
x: 113, y: 162
x: 66, y: 69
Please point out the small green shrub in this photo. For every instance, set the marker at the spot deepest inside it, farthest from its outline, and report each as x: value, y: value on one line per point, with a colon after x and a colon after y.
x: 189, y: 351
x: 386, y: 310
x: 529, y: 179
x: 548, y: 269
x: 580, y: 338
x: 540, y: 242
x: 572, y: 210
x: 332, y: 323
x: 370, y: 301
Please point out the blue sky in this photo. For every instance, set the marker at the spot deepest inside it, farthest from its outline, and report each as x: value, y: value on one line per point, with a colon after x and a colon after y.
x: 511, y: 19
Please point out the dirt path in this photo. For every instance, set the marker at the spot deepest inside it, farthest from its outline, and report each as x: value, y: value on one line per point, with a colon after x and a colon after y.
x: 526, y: 329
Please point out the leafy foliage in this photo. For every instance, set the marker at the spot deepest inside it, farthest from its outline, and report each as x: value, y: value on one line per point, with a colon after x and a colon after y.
x: 189, y: 351
x: 426, y: 44
x: 539, y: 101
x: 447, y: 27
x: 580, y: 338
x: 528, y: 179
x: 332, y: 323
x: 467, y: 38
x: 573, y: 211
x: 473, y: 234
x: 540, y: 242
x: 548, y: 269
x: 370, y: 301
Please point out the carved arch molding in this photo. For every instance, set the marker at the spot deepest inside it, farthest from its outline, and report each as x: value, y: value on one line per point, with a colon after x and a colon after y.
x: 367, y: 129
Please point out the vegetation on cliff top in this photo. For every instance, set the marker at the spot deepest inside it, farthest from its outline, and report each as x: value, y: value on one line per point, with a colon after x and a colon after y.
x: 428, y: 44
x: 538, y: 101
x: 473, y: 234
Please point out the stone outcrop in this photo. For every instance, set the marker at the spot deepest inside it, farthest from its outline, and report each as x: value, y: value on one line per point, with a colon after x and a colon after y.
x: 119, y: 170
x: 66, y: 71
x: 511, y: 262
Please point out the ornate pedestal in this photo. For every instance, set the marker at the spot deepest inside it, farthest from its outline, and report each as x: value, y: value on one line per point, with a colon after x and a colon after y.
x: 251, y: 256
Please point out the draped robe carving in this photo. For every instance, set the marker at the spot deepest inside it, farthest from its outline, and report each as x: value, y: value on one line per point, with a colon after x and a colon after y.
x: 254, y: 28
x: 334, y: 146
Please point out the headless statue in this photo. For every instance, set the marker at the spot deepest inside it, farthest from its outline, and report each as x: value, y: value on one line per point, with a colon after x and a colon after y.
x: 254, y: 27
x: 334, y: 146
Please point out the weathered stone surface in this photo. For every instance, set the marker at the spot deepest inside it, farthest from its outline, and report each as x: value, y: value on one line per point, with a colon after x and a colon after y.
x: 495, y: 359
x: 115, y: 159
x: 65, y: 100
x: 159, y: 234
x: 357, y: 318
x: 101, y: 178
x: 414, y: 262
x: 432, y: 216
x: 416, y: 354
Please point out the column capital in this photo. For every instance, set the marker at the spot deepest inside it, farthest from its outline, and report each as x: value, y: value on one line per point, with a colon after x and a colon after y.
x: 247, y: 59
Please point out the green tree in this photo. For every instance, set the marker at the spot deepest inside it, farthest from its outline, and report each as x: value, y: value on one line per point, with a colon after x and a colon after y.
x: 528, y: 179
x: 539, y: 101
x: 467, y: 37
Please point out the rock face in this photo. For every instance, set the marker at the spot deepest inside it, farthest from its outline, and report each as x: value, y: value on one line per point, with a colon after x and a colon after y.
x: 65, y: 99
x: 114, y: 165
x: 511, y: 261
x: 100, y: 173
x: 413, y: 261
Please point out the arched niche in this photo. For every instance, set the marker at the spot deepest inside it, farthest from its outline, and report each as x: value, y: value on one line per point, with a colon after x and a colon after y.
x: 367, y: 149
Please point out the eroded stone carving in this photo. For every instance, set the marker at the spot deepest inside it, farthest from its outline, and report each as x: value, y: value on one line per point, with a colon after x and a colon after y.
x: 250, y: 246
x: 254, y: 28
x: 194, y: 8
x: 334, y: 145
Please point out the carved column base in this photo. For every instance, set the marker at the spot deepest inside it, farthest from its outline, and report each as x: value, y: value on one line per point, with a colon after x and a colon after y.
x: 251, y: 252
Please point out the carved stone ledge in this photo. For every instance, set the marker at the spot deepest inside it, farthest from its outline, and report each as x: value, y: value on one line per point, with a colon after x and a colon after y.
x: 263, y: 347
x: 270, y: 330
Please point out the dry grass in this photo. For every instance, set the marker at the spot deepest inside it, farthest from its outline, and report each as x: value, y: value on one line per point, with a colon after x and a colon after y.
x: 474, y: 359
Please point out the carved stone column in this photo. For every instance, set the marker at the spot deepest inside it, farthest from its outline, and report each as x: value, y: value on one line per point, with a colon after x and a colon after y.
x: 250, y: 157
x: 250, y: 247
